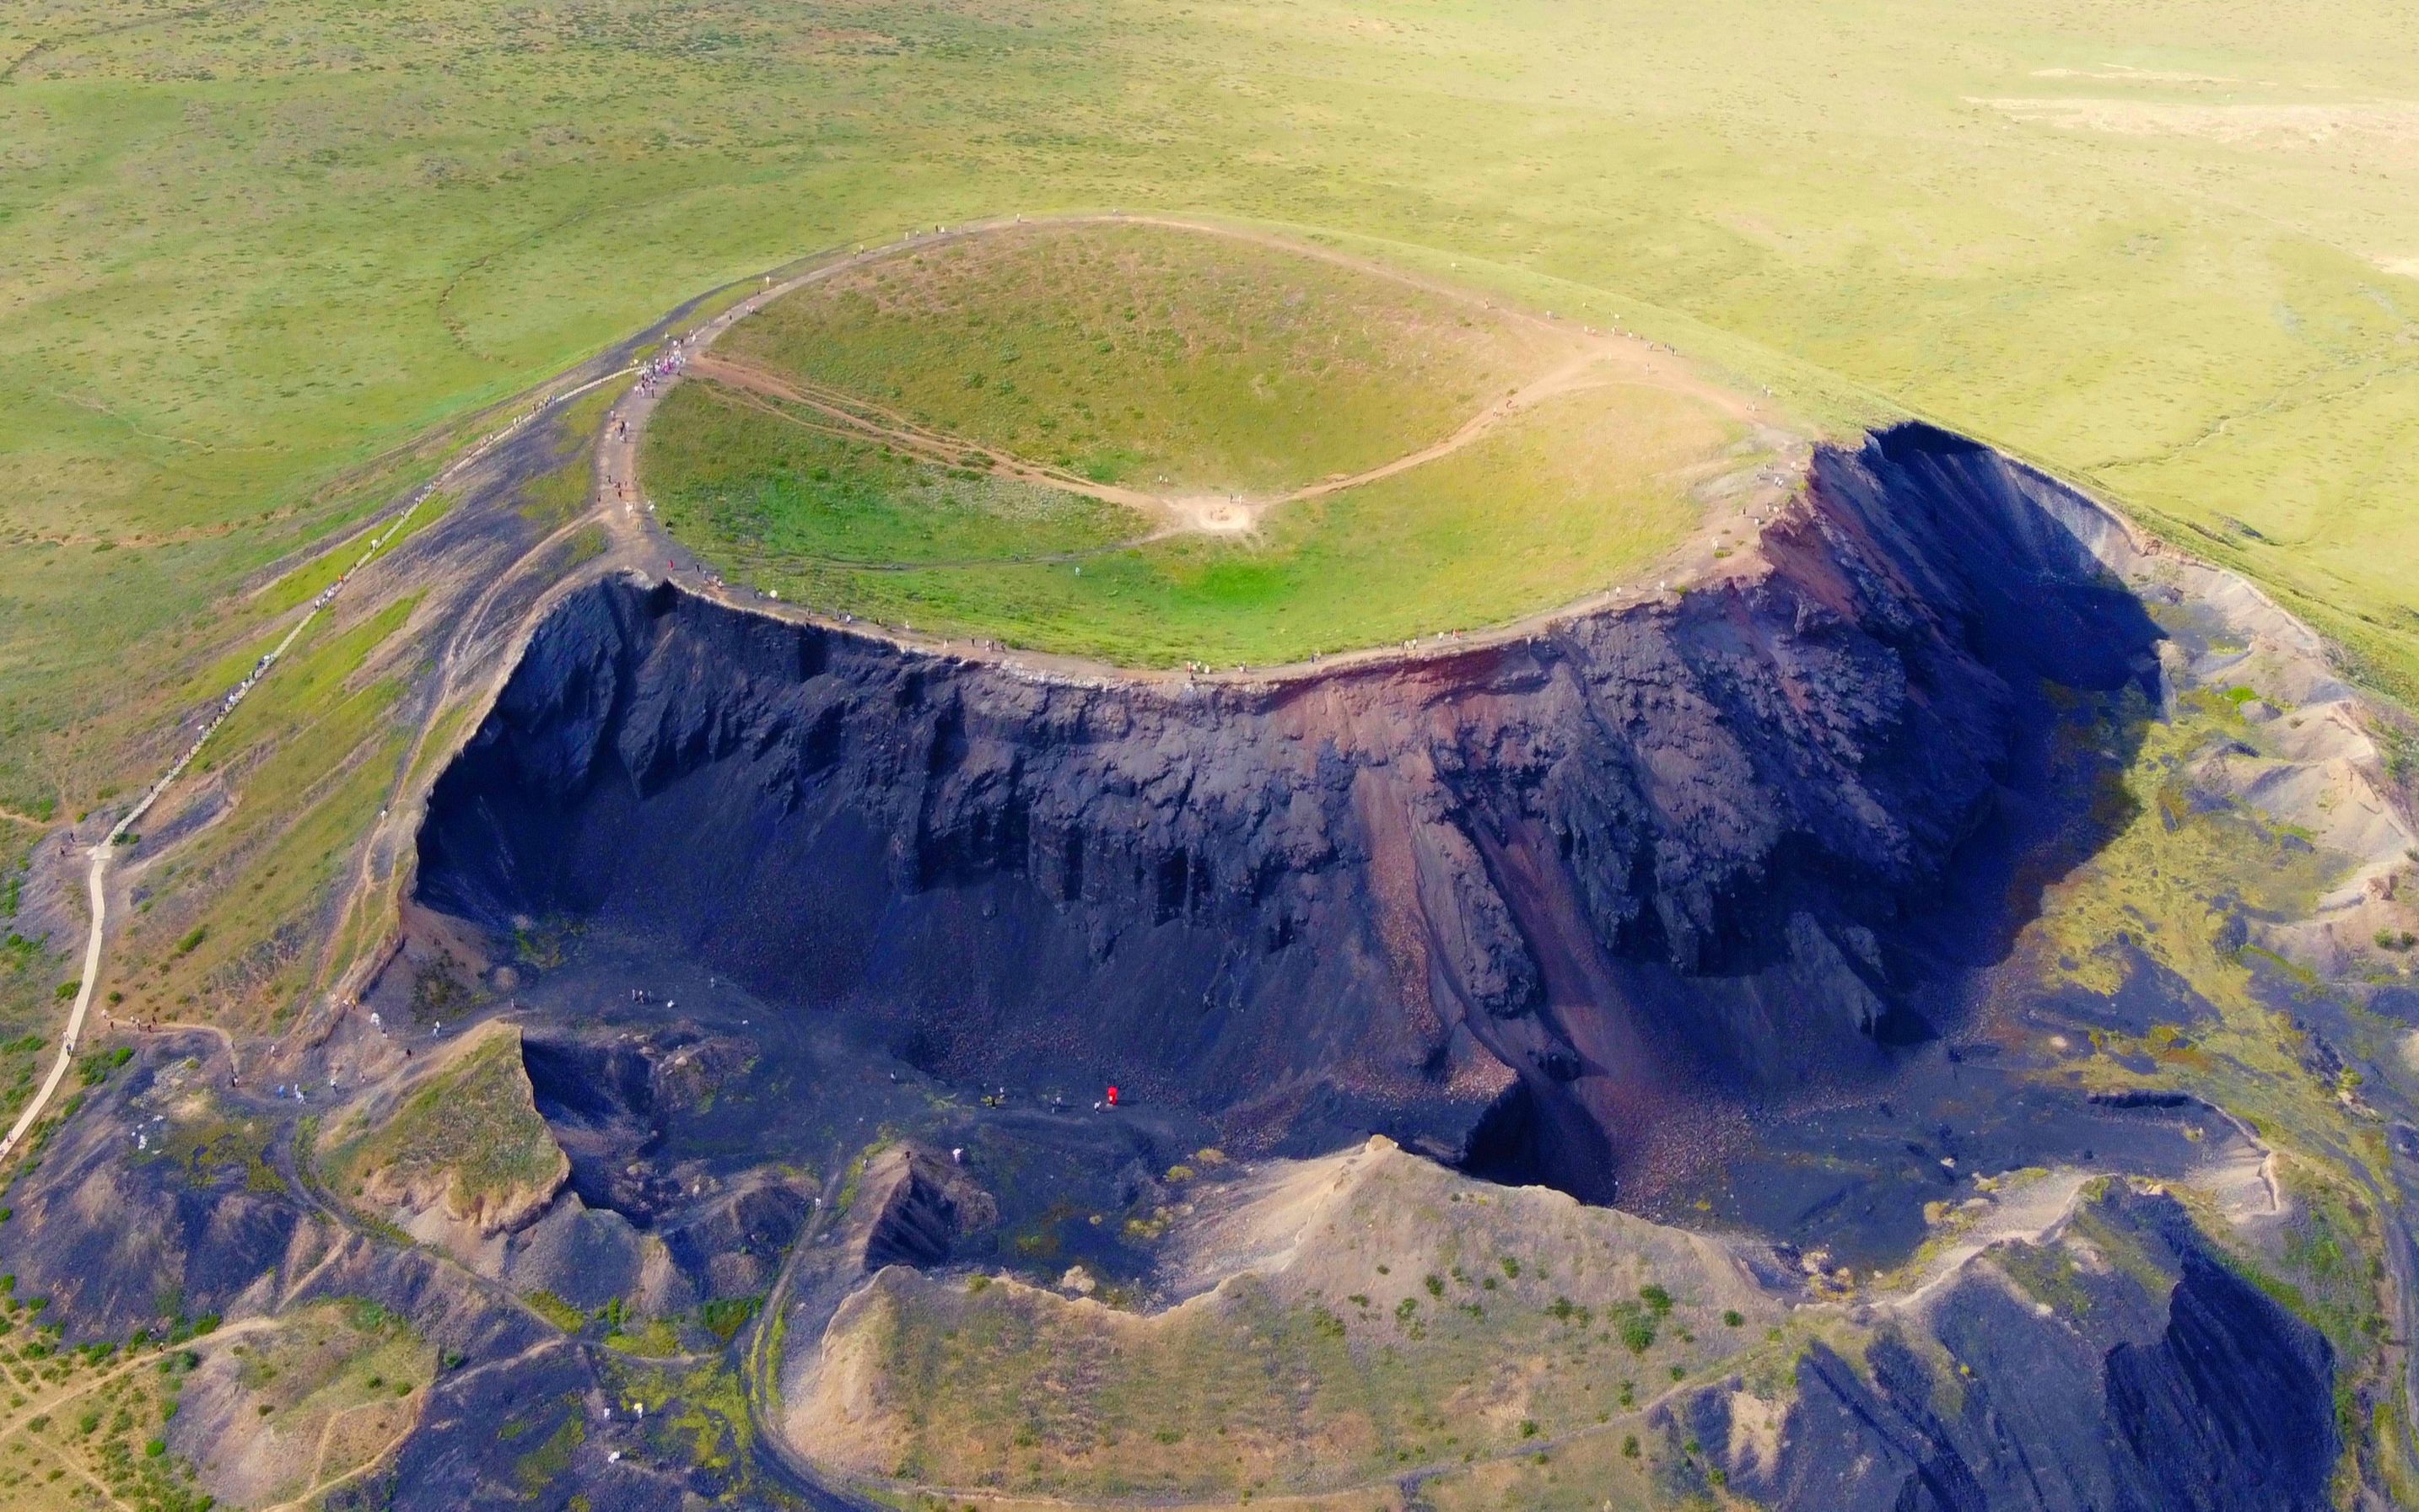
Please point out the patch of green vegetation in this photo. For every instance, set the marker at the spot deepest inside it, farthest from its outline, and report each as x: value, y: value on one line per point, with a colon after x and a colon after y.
x: 709, y: 1412
x: 852, y: 1178
x: 555, y: 1310
x: 538, y: 943
x: 655, y: 1338
x: 550, y: 1460
x: 318, y: 675
x: 437, y: 739
x: 725, y: 1316
x: 215, y: 1144
x: 305, y: 582
x: 754, y: 494
x: 554, y: 498
x: 1579, y: 492
x: 1133, y: 352
x: 1634, y: 1325
x: 695, y: 1416
x: 2048, y: 1273
x: 584, y: 545
x: 2321, y: 1262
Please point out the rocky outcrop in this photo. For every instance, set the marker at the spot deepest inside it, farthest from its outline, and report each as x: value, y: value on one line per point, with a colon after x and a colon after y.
x: 158, y: 1202
x: 2167, y: 1380
x: 1539, y: 903
x: 912, y: 1209
x: 460, y: 1155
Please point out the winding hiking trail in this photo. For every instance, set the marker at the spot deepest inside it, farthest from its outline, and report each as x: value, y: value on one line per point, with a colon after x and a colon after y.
x: 632, y: 532
x: 847, y: 416
x: 104, y: 851
x: 1604, y: 359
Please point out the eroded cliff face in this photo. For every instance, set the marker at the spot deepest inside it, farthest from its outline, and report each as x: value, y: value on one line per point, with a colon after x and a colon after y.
x: 1540, y: 904
x: 2172, y: 1382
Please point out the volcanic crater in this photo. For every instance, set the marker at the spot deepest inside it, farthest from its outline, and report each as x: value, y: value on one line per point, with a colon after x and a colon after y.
x: 1571, y: 905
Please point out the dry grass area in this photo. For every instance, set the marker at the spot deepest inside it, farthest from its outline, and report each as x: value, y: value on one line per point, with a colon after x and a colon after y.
x: 286, y: 1414
x: 1372, y: 1313
x: 2310, y: 126
x: 465, y: 1136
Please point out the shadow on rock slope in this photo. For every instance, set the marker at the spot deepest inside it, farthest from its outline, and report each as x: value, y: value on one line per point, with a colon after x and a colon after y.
x: 1558, y: 906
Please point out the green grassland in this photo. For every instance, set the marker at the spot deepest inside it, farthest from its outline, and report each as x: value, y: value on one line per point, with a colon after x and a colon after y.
x: 1566, y: 496
x: 251, y: 253
x: 756, y: 492
x: 1136, y: 353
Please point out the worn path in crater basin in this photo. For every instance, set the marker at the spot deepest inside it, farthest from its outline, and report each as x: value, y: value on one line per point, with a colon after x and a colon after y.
x: 843, y: 414
x: 1608, y: 360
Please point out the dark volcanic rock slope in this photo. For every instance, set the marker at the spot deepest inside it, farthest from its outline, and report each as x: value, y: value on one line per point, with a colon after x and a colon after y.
x: 2171, y: 1381
x: 1526, y: 903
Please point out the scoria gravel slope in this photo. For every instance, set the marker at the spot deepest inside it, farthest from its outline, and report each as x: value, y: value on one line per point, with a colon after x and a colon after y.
x: 1547, y: 904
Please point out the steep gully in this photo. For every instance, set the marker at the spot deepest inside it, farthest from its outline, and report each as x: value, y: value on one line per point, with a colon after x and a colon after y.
x: 1557, y: 907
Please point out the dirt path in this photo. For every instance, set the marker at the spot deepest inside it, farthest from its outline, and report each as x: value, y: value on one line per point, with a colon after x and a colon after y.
x: 97, y: 886
x: 339, y: 1246
x: 323, y: 1482
x: 744, y: 385
x: 2029, y: 1217
x: 34, y: 1409
x: 1569, y: 377
x: 1603, y: 362
x: 226, y: 1040
x: 852, y: 417
x: 97, y: 879
x: 621, y: 499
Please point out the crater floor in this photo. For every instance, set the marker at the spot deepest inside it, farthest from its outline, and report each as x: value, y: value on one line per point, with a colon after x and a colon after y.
x: 1155, y: 443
